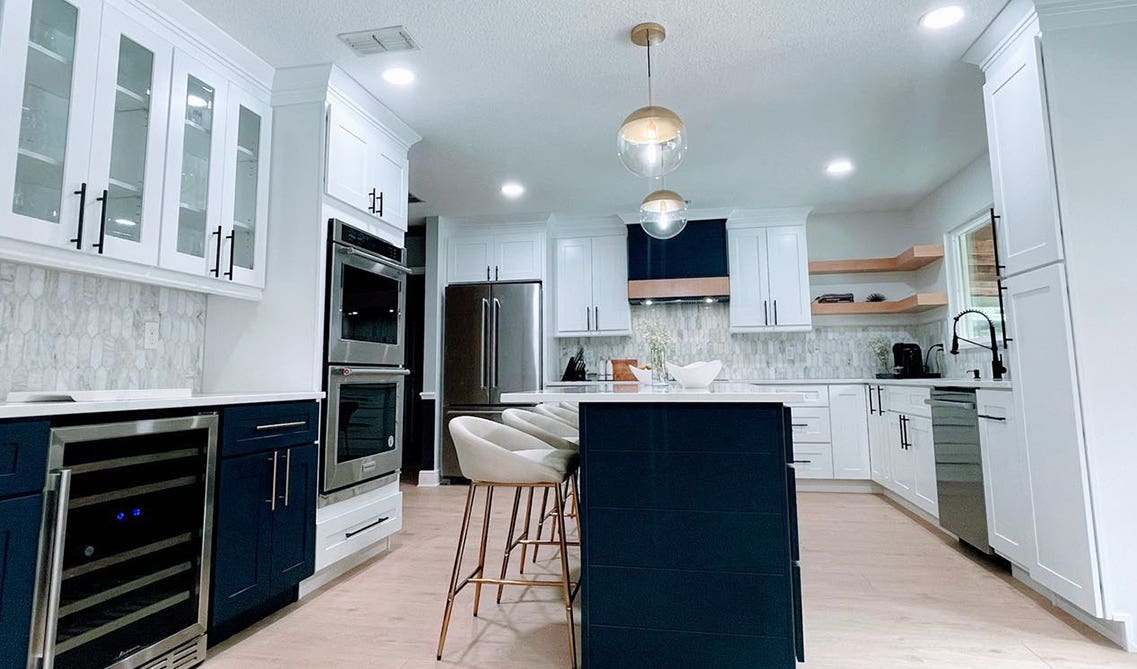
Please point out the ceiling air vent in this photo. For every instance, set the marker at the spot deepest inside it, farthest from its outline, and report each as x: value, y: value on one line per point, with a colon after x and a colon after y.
x: 380, y: 40
x: 413, y: 199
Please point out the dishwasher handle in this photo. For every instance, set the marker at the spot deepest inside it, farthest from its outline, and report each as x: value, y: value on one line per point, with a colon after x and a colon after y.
x: 950, y: 404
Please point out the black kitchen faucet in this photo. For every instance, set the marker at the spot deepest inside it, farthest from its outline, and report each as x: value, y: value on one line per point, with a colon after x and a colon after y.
x: 997, y: 368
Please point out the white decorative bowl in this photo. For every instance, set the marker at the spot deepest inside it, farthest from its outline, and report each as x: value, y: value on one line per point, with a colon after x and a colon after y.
x: 642, y: 375
x: 697, y: 374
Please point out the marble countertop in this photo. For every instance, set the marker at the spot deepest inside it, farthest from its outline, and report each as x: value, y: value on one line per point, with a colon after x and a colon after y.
x: 40, y: 409
x: 719, y: 392
x: 985, y: 384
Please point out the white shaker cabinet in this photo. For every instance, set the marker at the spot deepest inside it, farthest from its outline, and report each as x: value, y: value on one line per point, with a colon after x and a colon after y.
x: 49, y: 56
x: 880, y: 444
x: 1046, y: 393
x: 921, y: 446
x: 591, y: 286
x: 769, y: 278
x: 245, y: 209
x: 366, y: 169
x: 1006, y: 477
x: 518, y: 256
x: 851, y: 455
x: 1022, y: 168
x: 195, y: 173
x: 501, y: 254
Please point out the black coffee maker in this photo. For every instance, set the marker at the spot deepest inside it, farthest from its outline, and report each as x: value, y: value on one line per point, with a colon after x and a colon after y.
x: 908, y: 361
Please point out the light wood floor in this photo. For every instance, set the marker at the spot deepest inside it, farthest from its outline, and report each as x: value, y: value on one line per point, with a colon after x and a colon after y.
x: 881, y: 591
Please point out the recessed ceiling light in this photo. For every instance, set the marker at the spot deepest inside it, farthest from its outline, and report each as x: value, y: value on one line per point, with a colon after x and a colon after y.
x: 839, y: 167
x: 944, y: 17
x: 512, y: 189
x: 400, y: 76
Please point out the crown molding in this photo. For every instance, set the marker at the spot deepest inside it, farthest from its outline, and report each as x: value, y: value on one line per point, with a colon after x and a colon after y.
x: 1017, y: 17
x: 1066, y: 14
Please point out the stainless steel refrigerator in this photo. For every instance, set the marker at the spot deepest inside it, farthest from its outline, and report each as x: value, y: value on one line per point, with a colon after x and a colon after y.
x: 491, y: 344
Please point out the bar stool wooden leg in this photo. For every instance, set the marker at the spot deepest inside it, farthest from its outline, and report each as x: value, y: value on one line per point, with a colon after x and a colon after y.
x: 541, y: 521
x: 509, y: 543
x: 482, y: 549
x: 453, y: 591
x: 575, y: 503
x: 566, y: 577
x: 525, y: 531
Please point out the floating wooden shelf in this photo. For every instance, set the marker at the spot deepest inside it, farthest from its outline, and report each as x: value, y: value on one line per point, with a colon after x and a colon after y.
x: 911, y: 304
x: 912, y: 259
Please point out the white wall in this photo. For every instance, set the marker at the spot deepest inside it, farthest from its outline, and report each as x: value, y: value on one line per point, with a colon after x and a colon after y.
x: 1091, y: 78
x: 959, y: 200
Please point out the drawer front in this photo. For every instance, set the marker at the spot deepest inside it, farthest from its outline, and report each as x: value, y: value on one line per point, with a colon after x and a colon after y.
x: 735, y: 542
x: 733, y: 428
x: 348, y: 533
x: 813, y: 461
x: 263, y: 427
x: 810, y: 425
x: 623, y: 647
x: 23, y: 456
x: 815, y: 396
x: 906, y: 400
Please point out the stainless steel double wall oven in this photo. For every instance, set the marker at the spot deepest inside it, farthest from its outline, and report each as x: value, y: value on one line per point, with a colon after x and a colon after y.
x: 365, y: 358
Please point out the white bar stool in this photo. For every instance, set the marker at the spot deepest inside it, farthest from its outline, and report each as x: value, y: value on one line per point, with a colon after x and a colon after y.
x: 564, y: 415
x: 493, y: 455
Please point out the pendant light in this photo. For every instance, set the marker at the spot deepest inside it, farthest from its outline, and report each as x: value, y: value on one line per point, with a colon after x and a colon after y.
x: 663, y: 214
x: 652, y: 141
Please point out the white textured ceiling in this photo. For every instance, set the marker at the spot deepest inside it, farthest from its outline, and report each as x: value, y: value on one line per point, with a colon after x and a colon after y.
x: 770, y: 90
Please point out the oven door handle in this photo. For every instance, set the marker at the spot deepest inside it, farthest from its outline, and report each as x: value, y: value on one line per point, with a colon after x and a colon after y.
x: 55, y: 566
x: 386, y: 371
x: 364, y: 255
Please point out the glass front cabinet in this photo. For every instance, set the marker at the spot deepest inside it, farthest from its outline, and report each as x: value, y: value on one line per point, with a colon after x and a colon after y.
x: 114, y: 142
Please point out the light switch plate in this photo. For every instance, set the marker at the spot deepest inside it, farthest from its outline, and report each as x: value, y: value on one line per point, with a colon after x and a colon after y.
x: 150, y: 336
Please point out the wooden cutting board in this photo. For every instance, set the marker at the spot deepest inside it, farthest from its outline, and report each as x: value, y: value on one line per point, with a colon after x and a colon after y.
x: 620, y: 371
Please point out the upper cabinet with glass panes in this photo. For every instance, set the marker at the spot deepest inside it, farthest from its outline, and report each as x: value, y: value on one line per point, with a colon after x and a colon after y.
x: 116, y: 143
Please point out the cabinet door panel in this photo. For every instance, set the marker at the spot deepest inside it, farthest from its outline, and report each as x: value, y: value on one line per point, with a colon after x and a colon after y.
x: 788, y: 268
x: 850, y: 432
x: 1022, y: 168
x: 1046, y: 391
x: 469, y: 259
x: 242, y: 561
x: 389, y: 174
x: 247, y: 143
x: 574, y: 286
x: 900, y: 458
x: 351, y: 139
x: 749, y: 306
x: 879, y: 449
x: 20, y: 520
x: 612, y: 313
x: 519, y: 256
x: 192, y: 228
x: 923, y: 451
x: 1006, y: 478
x: 49, y: 50
x: 129, y: 153
x: 294, y: 523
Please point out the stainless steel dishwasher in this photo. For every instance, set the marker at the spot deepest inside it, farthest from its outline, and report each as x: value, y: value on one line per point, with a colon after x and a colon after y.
x: 959, y: 465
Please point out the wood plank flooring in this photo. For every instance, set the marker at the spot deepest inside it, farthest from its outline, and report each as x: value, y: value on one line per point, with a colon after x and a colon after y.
x: 881, y: 590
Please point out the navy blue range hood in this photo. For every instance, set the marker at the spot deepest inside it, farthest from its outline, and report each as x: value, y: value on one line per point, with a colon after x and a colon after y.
x: 690, y: 267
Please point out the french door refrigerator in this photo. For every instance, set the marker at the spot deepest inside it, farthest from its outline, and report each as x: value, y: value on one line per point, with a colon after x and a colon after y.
x: 492, y: 341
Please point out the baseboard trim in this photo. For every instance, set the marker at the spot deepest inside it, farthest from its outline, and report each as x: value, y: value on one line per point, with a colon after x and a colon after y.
x: 838, y: 485
x: 1117, y: 632
x: 429, y: 478
x: 337, y: 569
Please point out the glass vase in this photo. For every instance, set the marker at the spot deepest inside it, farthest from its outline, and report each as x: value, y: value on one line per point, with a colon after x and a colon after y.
x: 659, y: 367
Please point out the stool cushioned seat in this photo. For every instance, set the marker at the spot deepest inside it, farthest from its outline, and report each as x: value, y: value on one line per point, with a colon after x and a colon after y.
x: 496, y: 453
x: 555, y: 433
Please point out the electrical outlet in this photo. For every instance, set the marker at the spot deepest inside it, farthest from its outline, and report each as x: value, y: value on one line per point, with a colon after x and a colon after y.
x: 150, y: 336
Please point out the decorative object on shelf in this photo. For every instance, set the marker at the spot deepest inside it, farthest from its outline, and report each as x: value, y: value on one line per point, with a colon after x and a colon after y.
x: 658, y: 340
x: 875, y: 297
x: 697, y: 374
x: 835, y: 298
x: 882, y: 350
x: 663, y: 214
x: 652, y: 140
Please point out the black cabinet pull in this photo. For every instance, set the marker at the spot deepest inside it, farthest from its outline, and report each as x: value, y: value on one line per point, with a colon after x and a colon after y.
x: 766, y: 310
x: 803, y: 462
x: 102, y: 223
x: 232, y: 237
x: 216, y: 271
x: 1001, y: 419
x: 872, y: 411
x: 999, y: 267
x: 82, y: 193
x: 904, y: 432
x: 879, y: 400
x: 348, y: 535
x: 799, y: 424
x: 496, y: 271
x: 371, y: 207
x: 380, y: 203
x: 487, y: 272
x: 775, y: 312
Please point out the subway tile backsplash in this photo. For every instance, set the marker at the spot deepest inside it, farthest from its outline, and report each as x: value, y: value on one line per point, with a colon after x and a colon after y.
x: 702, y: 332
x: 60, y: 330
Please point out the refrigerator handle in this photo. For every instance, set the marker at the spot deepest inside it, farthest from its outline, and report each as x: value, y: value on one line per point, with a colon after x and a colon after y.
x: 495, y: 319
x: 485, y: 358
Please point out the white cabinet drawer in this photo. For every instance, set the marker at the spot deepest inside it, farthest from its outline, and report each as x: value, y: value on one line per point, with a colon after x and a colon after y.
x: 813, y: 461
x: 907, y: 400
x: 810, y: 425
x: 341, y: 534
x: 815, y: 396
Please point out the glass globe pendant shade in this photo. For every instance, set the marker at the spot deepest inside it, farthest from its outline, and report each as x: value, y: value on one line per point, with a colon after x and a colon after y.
x: 663, y: 214
x: 652, y: 141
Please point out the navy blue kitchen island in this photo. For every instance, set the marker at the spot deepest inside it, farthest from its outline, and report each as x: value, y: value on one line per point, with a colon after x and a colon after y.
x: 689, y: 547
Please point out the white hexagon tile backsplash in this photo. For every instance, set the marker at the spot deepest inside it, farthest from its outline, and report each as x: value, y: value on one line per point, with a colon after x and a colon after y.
x: 60, y: 330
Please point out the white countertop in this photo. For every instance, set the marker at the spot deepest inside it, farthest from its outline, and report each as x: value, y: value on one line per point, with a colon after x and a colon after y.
x: 985, y: 384
x: 719, y: 393
x: 38, y: 409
